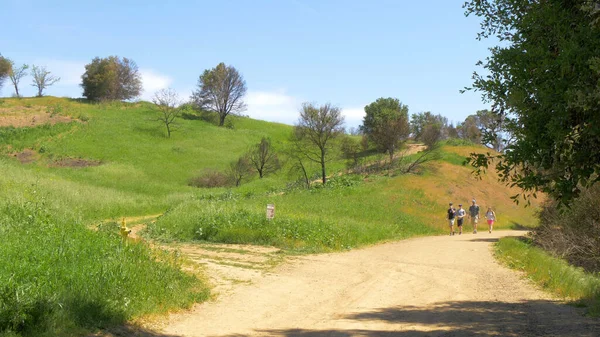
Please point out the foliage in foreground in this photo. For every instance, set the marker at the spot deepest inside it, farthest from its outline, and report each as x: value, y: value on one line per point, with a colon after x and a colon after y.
x: 58, y: 278
x: 551, y: 273
x: 546, y: 97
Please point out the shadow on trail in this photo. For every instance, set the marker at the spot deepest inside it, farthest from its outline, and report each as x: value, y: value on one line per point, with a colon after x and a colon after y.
x: 483, y: 318
x: 520, y: 227
x: 484, y: 240
x: 126, y: 331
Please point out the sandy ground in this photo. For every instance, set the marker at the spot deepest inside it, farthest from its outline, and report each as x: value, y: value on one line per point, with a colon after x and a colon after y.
x: 434, y: 286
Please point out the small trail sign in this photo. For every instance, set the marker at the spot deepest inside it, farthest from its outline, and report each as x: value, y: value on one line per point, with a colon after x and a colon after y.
x: 270, y: 211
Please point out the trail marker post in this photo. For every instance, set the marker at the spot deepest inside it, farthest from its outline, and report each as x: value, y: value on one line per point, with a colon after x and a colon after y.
x: 270, y: 211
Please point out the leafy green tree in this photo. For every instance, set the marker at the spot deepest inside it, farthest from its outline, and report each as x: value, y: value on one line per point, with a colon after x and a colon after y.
x: 42, y: 79
x: 544, y: 81
x: 419, y: 121
x: 469, y: 129
x: 16, y: 74
x: 316, y: 128
x: 221, y: 90
x: 263, y: 158
x: 111, y: 78
x: 5, y: 67
x: 386, y: 124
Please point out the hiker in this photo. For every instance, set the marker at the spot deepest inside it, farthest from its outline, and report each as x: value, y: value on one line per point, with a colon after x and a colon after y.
x: 474, y: 215
x: 490, y: 215
x: 460, y: 215
x: 450, y: 216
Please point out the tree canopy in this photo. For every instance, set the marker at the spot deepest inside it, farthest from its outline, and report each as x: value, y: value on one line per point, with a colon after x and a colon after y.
x: 221, y: 90
x: 544, y: 81
x: 386, y: 124
x: 111, y: 78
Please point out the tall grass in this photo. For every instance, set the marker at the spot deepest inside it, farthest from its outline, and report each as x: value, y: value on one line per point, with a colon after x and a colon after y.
x: 551, y: 273
x: 57, y: 278
x: 343, y: 215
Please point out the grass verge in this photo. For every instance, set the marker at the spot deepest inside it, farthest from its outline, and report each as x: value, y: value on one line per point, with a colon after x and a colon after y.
x: 553, y: 274
x: 58, y: 278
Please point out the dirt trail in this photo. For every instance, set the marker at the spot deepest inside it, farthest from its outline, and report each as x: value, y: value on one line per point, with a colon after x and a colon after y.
x: 434, y: 286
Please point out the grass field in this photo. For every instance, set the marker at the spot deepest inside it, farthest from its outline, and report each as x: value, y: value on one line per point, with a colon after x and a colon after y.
x: 102, y: 162
x: 556, y: 275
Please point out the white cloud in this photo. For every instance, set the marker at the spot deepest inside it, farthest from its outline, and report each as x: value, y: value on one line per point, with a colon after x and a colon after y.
x: 353, y: 116
x: 152, y: 82
x: 274, y: 106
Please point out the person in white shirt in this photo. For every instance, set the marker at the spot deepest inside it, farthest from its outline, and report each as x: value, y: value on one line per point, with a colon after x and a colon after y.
x: 460, y: 218
x: 490, y: 215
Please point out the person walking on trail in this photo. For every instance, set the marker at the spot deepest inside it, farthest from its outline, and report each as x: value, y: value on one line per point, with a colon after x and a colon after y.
x: 474, y: 215
x: 460, y: 215
x: 490, y: 215
x: 451, y: 213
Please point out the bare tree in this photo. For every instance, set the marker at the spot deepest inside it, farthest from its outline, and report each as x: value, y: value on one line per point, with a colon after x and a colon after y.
x: 240, y: 169
x: 42, y: 79
x: 317, y: 126
x: 263, y: 158
x: 221, y: 90
x: 167, y: 102
x: 299, y: 166
x: 16, y: 74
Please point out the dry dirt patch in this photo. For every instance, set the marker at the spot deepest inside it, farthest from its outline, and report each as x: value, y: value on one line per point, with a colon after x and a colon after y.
x: 27, y: 117
x: 26, y: 156
x: 75, y: 162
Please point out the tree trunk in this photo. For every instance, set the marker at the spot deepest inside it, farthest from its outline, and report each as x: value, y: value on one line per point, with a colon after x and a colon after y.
x: 323, y: 167
x: 17, y: 91
x: 222, y: 119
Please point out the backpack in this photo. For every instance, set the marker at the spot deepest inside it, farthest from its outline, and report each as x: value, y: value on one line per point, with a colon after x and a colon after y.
x: 450, y: 213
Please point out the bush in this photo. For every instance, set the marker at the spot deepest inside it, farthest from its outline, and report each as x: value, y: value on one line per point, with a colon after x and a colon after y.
x: 459, y: 142
x: 210, y: 179
x: 573, y: 233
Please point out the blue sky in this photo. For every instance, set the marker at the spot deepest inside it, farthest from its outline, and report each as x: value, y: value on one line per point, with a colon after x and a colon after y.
x: 348, y: 53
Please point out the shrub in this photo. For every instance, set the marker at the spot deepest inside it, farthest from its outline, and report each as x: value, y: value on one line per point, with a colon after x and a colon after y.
x: 54, y: 109
x: 572, y: 233
x: 211, y: 178
x: 459, y: 142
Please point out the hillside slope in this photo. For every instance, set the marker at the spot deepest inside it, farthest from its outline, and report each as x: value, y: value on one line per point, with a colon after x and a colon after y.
x: 113, y: 160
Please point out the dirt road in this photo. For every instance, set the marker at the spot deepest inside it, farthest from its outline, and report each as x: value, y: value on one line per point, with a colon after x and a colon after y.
x: 434, y: 286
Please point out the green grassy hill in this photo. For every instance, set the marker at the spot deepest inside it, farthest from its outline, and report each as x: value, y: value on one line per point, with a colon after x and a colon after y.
x: 69, y: 166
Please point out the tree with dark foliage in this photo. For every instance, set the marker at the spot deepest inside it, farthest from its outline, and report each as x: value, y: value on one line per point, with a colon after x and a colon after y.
x: 111, y: 78
x: 544, y: 81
